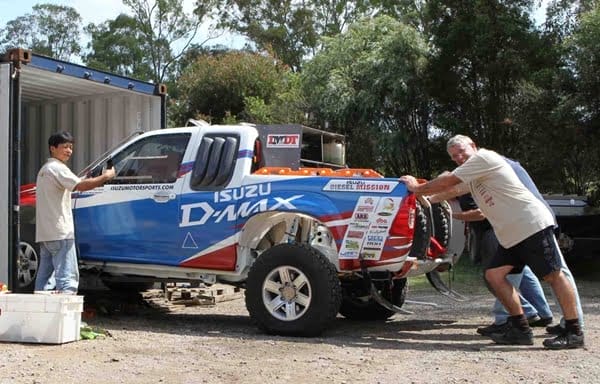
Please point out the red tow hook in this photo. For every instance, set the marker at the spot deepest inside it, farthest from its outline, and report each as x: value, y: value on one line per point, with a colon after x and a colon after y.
x: 435, y: 249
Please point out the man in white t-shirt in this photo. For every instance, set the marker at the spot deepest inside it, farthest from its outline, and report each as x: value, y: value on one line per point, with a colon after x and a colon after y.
x: 54, y: 217
x: 524, y: 228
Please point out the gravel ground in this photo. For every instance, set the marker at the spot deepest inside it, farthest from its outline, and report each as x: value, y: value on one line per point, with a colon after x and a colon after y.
x: 219, y: 344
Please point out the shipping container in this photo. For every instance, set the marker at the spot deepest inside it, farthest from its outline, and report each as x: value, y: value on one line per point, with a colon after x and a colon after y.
x: 39, y: 96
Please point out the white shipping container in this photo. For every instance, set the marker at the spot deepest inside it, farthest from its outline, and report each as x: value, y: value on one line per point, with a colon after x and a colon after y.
x: 40, y: 318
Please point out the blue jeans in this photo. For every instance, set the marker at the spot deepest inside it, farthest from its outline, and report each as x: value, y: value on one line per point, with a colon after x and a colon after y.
x: 58, y: 265
x: 532, y: 297
x: 567, y: 272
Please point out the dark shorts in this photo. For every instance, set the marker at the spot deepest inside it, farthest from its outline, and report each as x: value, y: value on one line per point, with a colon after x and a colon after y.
x: 539, y: 251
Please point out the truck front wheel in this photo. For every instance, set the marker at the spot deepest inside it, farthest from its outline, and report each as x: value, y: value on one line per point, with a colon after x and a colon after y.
x: 293, y: 290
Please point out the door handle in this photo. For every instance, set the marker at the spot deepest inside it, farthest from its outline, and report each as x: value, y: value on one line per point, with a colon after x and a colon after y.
x: 163, y: 196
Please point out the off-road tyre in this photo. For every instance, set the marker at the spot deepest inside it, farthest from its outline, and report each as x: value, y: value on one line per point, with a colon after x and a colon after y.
x: 311, y: 298
x: 441, y: 223
x: 422, y: 233
x: 354, y: 308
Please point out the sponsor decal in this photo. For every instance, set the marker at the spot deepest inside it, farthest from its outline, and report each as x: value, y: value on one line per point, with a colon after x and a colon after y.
x: 349, y: 254
x: 355, y: 234
x: 372, y: 225
x: 359, y: 216
x: 365, y: 208
x: 370, y: 255
x: 283, y: 141
x: 378, y: 231
x: 360, y: 186
x: 374, y: 241
x: 352, y: 245
x: 232, y: 212
x: 387, y: 207
x: 141, y: 187
x: 245, y: 192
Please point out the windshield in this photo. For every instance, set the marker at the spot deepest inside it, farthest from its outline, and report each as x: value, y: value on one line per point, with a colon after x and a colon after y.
x: 105, y: 155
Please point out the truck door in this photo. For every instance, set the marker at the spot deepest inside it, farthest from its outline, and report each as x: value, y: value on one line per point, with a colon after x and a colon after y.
x: 135, y: 217
x: 209, y: 203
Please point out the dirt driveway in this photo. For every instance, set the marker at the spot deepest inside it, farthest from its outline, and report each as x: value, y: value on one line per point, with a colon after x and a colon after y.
x: 220, y: 345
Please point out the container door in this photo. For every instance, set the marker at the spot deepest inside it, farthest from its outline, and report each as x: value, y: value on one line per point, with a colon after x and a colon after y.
x: 135, y: 217
x: 5, y: 221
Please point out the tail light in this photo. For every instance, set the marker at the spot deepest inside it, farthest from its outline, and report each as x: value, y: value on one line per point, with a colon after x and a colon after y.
x: 404, y: 222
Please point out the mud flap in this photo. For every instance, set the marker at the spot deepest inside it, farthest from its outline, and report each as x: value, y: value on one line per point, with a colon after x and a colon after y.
x: 436, y: 282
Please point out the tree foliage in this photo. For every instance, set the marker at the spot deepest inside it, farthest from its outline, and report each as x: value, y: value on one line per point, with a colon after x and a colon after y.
x: 51, y: 30
x: 290, y: 29
x: 222, y: 86
x: 367, y: 84
x: 118, y: 46
x: 159, y: 25
x: 485, y: 49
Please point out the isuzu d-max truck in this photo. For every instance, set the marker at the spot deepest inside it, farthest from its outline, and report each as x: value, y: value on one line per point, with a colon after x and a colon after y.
x: 215, y: 204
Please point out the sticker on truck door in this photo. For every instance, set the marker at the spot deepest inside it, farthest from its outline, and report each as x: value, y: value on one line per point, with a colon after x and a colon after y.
x: 369, y: 227
x: 353, y: 185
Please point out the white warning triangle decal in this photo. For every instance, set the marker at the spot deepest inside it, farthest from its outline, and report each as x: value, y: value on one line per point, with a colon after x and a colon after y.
x: 189, y: 242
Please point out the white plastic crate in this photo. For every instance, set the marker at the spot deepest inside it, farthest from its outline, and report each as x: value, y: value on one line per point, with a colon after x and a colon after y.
x: 40, y: 318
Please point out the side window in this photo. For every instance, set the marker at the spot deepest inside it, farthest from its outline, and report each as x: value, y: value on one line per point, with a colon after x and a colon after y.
x: 153, y: 160
x: 215, y: 161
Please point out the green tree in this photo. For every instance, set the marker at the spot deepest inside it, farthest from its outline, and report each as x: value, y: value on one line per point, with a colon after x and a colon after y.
x: 582, y: 160
x: 484, y: 51
x: 290, y: 30
x: 52, y: 30
x: 160, y: 24
x: 118, y: 46
x: 367, y: 84
x: 222, y: 86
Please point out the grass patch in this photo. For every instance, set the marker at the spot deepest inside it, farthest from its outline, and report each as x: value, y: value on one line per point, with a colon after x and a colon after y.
x: 465, y: 277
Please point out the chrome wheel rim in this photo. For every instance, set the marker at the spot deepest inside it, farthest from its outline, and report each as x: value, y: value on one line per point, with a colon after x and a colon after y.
x: 286, y: 293
x: 27, y: 264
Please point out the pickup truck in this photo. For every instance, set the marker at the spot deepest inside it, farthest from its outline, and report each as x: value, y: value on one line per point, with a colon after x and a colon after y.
x: 197, y: 203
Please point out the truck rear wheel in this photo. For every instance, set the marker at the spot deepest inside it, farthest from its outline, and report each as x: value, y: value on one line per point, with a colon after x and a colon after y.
x: 357, y: 308
x: 293, y: 290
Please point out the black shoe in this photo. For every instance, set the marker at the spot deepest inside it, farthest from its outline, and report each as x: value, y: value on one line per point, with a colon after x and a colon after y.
x: 513, y: 336
x: 567, y: 340
x: 555, y: 329
x: 494, y: 328
x: 536, y: 321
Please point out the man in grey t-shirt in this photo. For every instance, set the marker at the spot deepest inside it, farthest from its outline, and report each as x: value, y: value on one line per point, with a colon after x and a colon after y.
x: 54, y: 217
x: 524, y: 228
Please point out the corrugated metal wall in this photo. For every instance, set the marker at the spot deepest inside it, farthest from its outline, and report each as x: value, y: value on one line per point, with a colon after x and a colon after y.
x: 97, y: 124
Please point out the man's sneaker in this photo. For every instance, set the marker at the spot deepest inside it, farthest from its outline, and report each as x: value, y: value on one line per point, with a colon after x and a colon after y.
x: 513, y: 336
x: 567, y: 340
x: 536, y: 321
x: 555, y: 329
x: 494, y: 328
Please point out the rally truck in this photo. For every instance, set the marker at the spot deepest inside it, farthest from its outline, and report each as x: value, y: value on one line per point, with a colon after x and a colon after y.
x: 242, y: 205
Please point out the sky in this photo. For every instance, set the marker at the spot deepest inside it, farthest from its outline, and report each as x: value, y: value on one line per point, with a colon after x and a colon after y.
x: 97, y: 11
